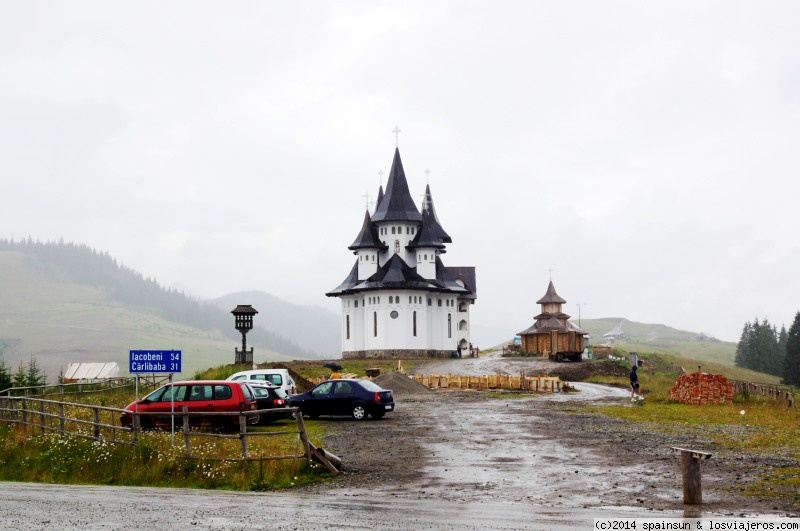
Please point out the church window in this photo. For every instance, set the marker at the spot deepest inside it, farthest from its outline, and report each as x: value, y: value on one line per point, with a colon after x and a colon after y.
x: 375, y: 324
x: 396, y: 246
x: 347, y: 326
x: 449, y: 325
x: 429, y: 301
x: 439, y: 303
x: 408, y: 230
x: 426, y: 257
x: 356, y: 303
x: 394, y: 314
x: 409, y: 300
x: 415, y: 323
x: 373, y: 257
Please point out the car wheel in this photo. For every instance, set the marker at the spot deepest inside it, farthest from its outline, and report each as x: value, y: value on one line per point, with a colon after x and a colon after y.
x: 359, y: 413
x: 378, y: 414
x: 145, y: 423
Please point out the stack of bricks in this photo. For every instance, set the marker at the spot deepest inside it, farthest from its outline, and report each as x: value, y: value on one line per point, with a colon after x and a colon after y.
x: 701, y: 388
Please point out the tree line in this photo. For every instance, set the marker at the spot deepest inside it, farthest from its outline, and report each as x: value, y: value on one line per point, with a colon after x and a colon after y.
x: 764, y: 348
x: 29, y: 375
x: 84, y: 265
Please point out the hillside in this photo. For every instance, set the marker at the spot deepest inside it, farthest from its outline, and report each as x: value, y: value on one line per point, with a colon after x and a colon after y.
x: 66, y: 303
x: 659, y: 338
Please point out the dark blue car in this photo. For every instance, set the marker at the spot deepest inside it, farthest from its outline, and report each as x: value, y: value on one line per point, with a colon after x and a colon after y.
x: 356, y: 398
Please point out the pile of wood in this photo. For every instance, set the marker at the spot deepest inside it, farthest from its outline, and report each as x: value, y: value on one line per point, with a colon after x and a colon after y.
x: 534, y: 384
x: 701, y: 388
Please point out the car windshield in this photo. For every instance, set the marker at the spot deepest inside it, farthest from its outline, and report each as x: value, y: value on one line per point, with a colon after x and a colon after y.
x: 248, y: 394
x: 166, y: 393
x: 370, y: 386
x: 260, y: 391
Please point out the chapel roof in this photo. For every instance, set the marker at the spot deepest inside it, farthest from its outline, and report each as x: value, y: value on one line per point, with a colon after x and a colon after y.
x: 368, y: 236
x: 396, y: 204
x: 551, y: 296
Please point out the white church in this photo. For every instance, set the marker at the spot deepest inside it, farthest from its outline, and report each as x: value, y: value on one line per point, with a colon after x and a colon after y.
x: 399, y: 300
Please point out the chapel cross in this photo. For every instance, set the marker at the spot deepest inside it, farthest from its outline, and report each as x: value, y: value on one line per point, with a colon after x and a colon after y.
x: 396, y: 132
x: 367, y: 196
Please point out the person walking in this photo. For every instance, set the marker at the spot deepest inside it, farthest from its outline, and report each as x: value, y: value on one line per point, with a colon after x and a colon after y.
x: 635, y: 385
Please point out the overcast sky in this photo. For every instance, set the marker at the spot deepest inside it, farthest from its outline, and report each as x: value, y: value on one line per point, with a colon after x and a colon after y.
x: 646, y: 152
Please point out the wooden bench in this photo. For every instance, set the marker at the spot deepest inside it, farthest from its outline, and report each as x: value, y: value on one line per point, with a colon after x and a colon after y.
x: 690, y: 470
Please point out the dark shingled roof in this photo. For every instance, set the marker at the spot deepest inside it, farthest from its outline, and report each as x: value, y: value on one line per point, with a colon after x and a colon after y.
x: 465, y: 274
x: 551, y: 296
x: 438, y: 231
x: 396, y: 274
x: 368, y: 237
x: 427, y: 236
x: 347, y: 284
x: 397, y: 204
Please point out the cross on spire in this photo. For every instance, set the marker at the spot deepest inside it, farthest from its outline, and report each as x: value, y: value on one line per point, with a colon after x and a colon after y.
x: 550, y: 270
x: 380, y: 178
x: 367, y: 196
x: 428, y: 176
x: 396, y: 132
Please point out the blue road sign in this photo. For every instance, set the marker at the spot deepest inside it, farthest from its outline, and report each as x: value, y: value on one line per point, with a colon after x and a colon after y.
x: 168, y: 361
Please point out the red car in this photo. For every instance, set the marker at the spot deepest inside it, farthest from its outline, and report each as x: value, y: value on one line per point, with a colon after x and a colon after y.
x: 198, y: 396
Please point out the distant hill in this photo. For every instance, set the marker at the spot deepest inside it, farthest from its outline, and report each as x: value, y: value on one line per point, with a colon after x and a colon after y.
x: 641, y: 337
x: 63, y: 303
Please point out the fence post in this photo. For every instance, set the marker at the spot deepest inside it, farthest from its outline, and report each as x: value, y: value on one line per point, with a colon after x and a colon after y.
x: 41, y: 416
x: 185, y: 429
x: 301, y: 427
x: 61, y: 417
x: 96, y: 422
x: 24, y: 410
x: 243, y: 433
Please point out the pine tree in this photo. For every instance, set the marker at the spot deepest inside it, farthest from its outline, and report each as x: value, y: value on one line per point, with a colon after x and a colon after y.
x: 6, y: 381
x: 34, y: 375
x: 791, y: 370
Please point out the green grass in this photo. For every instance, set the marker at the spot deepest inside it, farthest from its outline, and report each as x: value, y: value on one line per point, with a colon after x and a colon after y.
x: 27, y: 455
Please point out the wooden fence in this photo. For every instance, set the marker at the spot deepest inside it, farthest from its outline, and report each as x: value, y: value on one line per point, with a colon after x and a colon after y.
x: 779, y: 393
x: 100, y: 423
x: 535, y: 384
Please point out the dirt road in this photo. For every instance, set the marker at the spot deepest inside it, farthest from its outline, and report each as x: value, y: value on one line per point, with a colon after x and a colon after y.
x: 442, y: 460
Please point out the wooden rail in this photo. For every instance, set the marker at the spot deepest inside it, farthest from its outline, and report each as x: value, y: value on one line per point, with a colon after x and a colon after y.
x: 102, y: 423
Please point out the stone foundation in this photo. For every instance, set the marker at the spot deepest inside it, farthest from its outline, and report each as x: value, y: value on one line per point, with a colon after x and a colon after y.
x: 397, y: 354
x: 701, y: 388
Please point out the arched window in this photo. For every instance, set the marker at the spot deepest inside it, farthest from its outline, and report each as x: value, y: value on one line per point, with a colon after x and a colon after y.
x: 449, y: 325
x: 430, y: 302
x: 375, y: 324
x: 392, y: 230
x: 415, y: 323
x: 347, y: 325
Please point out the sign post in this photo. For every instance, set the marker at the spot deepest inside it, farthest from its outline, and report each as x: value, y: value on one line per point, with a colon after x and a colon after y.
x: 155, y: 361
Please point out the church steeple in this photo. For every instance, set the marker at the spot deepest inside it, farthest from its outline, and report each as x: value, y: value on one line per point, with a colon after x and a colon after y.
x: 367, y: 246
x: 397, y: 204
x: 368, y: 237
x: 438, y: 231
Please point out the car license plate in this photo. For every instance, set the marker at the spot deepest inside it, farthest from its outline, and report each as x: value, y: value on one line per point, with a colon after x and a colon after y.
x: 388, y: 407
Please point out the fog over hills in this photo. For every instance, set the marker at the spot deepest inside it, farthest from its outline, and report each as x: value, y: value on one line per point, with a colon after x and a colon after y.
x: 63, y: 303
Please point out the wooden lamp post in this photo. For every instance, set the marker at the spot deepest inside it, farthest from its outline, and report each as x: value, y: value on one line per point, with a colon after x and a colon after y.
x: 243, y: 314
